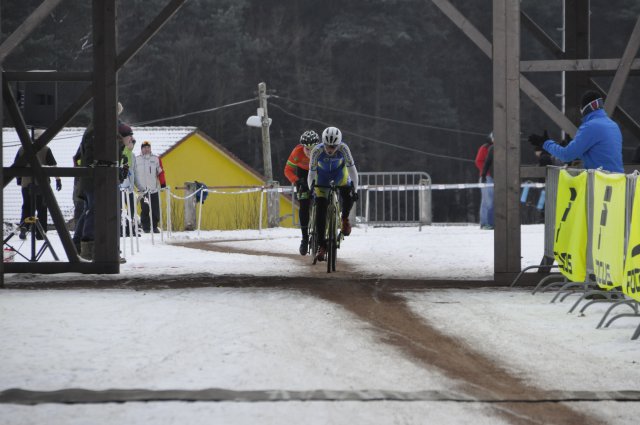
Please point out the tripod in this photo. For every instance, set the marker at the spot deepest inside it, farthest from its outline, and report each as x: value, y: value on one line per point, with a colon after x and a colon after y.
x: 36, y: 231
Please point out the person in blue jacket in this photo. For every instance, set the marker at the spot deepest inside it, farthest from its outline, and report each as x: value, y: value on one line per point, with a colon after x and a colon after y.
x: 598, y: 141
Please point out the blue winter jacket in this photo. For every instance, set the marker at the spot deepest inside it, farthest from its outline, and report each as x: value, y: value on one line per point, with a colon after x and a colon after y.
x: 598, y: 143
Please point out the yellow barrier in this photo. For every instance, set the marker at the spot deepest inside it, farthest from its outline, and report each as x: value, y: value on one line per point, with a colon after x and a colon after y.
x: 607, y: 235
x: 570, y: 241
x: 631, y: 285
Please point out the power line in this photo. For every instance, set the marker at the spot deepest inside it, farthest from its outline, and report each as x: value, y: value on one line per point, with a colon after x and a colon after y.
x: 202, y: 111
x: 217, y: 108
x: 360, y: 114
x: 456, y: 158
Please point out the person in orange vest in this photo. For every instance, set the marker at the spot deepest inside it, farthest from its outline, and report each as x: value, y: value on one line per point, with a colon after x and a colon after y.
x: 296, y: 170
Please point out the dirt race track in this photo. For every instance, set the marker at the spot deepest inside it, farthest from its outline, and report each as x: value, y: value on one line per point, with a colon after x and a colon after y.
x: 378, y: 303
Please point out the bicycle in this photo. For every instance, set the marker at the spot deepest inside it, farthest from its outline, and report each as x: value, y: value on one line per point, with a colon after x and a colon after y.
x: 333, y: 230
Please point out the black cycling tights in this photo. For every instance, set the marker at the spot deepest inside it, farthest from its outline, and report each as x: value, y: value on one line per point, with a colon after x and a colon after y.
x: 303, y: 213
x: 321, y: 210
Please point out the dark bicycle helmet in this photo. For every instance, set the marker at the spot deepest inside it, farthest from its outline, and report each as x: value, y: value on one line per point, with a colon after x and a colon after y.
x: 309, y: 139
x: 331, y: 136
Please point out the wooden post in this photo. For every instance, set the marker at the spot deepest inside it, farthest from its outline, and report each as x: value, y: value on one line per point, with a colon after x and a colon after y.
x: 506, y: 130
x: 107, y: 214
x: 189, y: 206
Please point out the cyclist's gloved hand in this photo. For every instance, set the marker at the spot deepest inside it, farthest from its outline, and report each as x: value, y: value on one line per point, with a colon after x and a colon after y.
x: 354, y: 195
x: 483, y: 179
x: 302, y: 185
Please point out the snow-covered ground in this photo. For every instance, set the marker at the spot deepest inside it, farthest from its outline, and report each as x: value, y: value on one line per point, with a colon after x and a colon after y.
x: 435, y: 252
x: 243, y: 338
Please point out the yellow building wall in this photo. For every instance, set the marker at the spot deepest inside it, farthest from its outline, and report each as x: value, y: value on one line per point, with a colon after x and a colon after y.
x: 197, y: 159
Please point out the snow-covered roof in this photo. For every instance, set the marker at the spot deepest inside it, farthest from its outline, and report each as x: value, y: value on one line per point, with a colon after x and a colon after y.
x: 63, y: 147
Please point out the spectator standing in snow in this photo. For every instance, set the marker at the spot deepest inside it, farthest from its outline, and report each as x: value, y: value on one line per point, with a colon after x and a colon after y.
x: 84, y: 234
x: 127, y: 168
x: 149, y: 178
x: 598, y: 141
x: 32, y: 199
x: 486, y: 201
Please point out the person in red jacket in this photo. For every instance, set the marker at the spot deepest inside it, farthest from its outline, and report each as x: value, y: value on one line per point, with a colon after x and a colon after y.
x: 486, y: 202
x: 296, y: 170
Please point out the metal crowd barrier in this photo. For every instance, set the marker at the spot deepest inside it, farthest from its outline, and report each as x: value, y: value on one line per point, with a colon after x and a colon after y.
x: 394, y: 198
x: 588, y: 289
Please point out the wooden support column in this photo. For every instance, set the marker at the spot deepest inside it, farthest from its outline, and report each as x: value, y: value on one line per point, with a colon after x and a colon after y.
x: 107, y: 214
x: 506, y: 130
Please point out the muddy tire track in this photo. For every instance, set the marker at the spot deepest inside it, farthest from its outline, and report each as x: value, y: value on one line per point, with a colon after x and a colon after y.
x: 343, y: 268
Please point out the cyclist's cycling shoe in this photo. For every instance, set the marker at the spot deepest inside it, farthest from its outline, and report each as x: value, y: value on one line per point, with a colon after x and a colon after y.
x: 346, y: 226
x: 304, y: 246
x: 322, y: 253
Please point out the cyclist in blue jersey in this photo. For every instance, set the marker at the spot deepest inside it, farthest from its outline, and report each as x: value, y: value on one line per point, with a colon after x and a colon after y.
x: 331, y: 160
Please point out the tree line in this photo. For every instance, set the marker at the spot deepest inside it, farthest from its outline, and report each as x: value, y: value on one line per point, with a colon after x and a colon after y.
x: 409, y: 90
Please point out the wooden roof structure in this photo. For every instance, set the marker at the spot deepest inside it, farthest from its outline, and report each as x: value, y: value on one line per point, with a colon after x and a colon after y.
x: 103, y: 91
x: 508, y: 79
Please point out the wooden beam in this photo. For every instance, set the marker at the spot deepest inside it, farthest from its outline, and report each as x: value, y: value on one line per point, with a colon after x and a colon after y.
x: 615, y: 90
x: 125, y: 56
x: 27, y: 27
x: 39, y: 176
x: 547, y: 106
x: 11, y: 172
x: 541, y: 35
x: 525, y: 85
x: 57, y: 125
x: 165, y: 14
x: 620, y: 114
x: 105, y: 89
x: 591, y: 65
x: 506, y: 130
x: 464, y: 25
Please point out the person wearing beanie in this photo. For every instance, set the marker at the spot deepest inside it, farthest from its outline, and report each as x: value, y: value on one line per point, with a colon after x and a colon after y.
x: 84, y: 234
x: 598, y: 141
x: 127, y: 168
x: 149, y: 179
x: 486, y: 176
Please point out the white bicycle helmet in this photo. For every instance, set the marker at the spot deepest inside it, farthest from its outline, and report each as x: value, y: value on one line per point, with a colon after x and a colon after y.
x: 331, y: 136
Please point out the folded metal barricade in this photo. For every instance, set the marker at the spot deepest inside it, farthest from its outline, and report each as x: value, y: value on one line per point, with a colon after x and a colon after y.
x: 554, y: 279
x: 588, y: 289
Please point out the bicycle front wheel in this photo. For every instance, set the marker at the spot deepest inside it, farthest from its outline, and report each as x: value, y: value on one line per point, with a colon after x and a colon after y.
x: 331, y: 238
x: 313, y: 234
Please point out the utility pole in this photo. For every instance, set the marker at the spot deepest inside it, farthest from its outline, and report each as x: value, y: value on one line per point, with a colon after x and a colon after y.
x: 266, y: 141
x: 273, y: 197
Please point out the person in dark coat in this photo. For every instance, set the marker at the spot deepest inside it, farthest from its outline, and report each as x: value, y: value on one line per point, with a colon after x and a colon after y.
x: 32, y: 198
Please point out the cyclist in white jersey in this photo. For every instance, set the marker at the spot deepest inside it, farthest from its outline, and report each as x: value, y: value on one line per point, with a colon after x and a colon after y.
x: 330, y: 161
